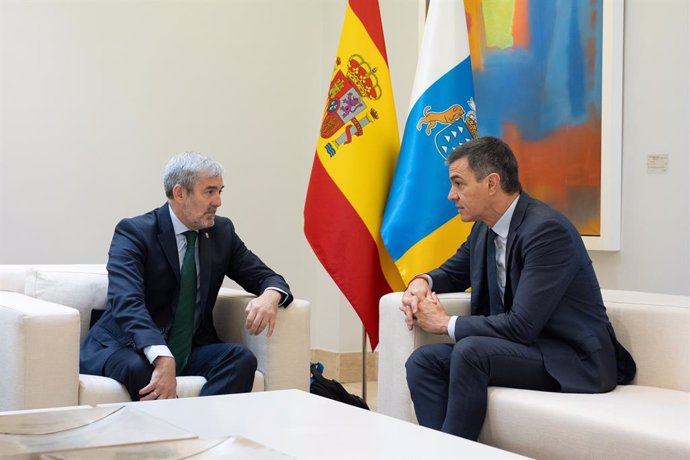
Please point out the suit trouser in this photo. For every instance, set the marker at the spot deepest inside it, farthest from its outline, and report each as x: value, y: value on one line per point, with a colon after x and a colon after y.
x: 448, y: 382
x: 227, y: 367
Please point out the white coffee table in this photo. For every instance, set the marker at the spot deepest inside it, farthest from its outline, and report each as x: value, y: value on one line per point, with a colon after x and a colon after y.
x: 303, y: 425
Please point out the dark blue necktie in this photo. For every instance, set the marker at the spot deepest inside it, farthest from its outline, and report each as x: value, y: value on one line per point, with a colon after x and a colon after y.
x: 180, y: 340
x: 495, y: 301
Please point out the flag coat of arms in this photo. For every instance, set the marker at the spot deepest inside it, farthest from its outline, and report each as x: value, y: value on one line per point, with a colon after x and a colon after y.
x: 353, y: 168
x: 421, y: 228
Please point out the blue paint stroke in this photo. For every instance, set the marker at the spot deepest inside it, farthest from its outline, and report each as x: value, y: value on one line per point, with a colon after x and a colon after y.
x: 545, y: 86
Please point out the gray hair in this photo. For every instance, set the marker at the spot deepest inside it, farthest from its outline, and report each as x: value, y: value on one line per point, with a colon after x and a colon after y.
x: 183, y: 169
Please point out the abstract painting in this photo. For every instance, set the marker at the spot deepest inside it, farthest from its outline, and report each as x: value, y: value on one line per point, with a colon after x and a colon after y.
x: 547, y: 80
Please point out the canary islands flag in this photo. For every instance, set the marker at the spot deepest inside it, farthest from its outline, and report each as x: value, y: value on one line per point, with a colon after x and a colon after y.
x: 354, y: 166
x: 421, y: 227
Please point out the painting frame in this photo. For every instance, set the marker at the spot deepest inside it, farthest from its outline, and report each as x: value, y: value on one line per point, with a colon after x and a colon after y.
x: 610, y: 187
x: 609, y: 238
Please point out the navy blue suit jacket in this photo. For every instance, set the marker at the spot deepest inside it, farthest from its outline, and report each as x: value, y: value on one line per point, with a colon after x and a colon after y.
x: 144, y: 278
x: 552, y: 299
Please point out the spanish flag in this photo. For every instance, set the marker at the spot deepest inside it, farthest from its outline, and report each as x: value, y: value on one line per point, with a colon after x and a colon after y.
x: 353, y: 168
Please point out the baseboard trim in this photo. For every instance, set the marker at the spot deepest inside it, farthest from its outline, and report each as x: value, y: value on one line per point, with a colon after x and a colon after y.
x: 346, y: 367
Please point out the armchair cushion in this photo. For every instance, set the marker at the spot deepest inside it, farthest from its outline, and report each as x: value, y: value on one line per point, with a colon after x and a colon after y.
x: 94, y: 389
x: 83, y: 287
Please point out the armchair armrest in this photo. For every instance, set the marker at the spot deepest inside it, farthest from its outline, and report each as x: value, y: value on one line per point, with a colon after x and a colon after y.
x: 283, y: 358
x: 39, y: 352
x: 396, y: 344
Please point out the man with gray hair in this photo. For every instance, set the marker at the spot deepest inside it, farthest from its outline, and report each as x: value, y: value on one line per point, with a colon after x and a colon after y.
x: 165, y: 269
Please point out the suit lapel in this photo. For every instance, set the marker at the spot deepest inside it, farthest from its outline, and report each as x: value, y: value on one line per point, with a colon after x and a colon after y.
x: 166, y: 237
x: 515, y: 222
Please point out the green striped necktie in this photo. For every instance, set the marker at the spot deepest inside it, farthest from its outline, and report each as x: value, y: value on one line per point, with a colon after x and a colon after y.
x: 180, y: 341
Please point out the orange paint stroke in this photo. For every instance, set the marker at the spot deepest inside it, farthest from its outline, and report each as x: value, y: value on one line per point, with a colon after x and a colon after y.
x: 521, y: 36
x: 475, y: 32
x: 563, y: 170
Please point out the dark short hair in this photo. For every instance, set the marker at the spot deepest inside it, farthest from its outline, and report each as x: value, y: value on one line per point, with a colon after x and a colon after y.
x: 486, y: 155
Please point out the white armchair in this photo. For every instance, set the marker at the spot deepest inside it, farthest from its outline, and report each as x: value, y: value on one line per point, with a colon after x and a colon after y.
x: 44, y: 315
x: 396, y: 344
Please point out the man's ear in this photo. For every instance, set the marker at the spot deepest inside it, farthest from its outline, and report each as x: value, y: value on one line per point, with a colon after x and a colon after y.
x: 179, y: 192
x: 494, y: 182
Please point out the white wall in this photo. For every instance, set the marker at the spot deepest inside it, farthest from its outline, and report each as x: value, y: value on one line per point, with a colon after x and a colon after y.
x: 96, y: 95
x: 654, y: 255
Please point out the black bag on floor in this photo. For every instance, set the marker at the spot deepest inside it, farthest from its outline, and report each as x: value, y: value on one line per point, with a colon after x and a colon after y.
x: 332, y: 389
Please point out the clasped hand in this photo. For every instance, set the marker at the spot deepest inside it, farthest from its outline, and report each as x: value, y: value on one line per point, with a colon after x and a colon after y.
x: 422, y: 308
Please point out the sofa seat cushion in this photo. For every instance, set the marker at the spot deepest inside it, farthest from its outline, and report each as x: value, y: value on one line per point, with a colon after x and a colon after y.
x: 94, y: 389
x: 631, y: 422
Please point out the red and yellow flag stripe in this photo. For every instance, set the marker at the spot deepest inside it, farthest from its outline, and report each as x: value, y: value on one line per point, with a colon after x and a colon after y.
x: 353, y: 168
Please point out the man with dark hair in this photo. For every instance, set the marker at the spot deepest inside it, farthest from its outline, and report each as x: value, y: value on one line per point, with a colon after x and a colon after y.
x: 537, y: 320
x: 158, y: 321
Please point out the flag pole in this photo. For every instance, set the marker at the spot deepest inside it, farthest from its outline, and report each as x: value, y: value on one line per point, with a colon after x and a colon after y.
x: 364, y: 364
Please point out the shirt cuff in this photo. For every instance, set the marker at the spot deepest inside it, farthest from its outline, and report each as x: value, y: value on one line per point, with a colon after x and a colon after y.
x: 283, y: 295
x: 427, y: 278
x: 154, y: 351
x: 451, y: 327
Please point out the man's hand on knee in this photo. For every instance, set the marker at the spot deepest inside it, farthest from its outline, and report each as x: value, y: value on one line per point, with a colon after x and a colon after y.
x: 163, y: 384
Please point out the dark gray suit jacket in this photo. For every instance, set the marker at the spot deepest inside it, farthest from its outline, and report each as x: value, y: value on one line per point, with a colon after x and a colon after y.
x: 144, y: 279
x: 552, y: 299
